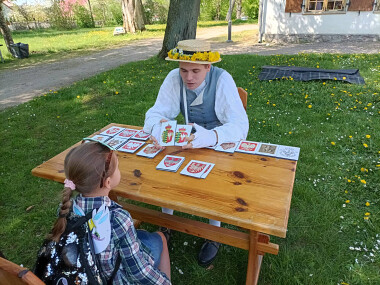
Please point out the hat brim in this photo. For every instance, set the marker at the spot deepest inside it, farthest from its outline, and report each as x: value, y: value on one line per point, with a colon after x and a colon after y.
x: 191, y: 61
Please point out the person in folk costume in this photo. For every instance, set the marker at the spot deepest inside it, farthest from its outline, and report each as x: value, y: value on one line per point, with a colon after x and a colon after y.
x: 208, y: 98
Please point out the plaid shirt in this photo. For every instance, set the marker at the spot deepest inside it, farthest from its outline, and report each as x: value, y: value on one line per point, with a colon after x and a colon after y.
x: 137, y: 263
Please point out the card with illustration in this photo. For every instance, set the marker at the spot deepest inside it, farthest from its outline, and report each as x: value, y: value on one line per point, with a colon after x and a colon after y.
x: 149, y: 151
x: 141, y: 135
x: 195, y: 168
x: 170, y: 163
x: 227, y: 147
x: 101, y: 138
x: 127, y: 133
x: 131, y: 146
x: 182, y: 132
x: 168, y: 133
x: 267, y: 149
x: 248, y: 147
x: 288, y: 152
x: 208, y: 170
x: 115, y: 142
x: 112, y: 131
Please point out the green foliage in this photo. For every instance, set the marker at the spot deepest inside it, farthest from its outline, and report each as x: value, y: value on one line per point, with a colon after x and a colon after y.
x: 156, y: 11
x: 250, y: 8
x: 58, y: 18
x: 117, y: 13
x: 214, y: 10
x: 334, y: 220
x: 83, y: 17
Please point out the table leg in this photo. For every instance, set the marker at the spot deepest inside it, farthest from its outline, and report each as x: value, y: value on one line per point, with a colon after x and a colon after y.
x: 254, y: 259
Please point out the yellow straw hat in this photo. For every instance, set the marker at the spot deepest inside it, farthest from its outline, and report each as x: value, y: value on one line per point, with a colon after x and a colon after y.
x: 194, y: 51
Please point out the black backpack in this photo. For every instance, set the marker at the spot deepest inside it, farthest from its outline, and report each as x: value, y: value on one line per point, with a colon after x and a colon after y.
x: 72, y: 260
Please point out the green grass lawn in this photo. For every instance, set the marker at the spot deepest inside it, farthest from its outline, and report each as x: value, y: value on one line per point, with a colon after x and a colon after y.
x: 51, y: 44
x: 334, y: 225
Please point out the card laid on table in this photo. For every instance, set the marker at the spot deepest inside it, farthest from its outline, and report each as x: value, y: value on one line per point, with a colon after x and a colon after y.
x: 168, y: 133
x: 112, y: 131
x: 141, y: 135
x: 208, y: 170
x: 131, y: 146
x: 101, y: 138
x: 227, y: 147
x: 115, y: 142
x: 149, y: 151
x: 195, y: 168
x: 280, y: 151
x: 248, y: 147
x: 170, y: 163
x: 182, y: 132
x: 127, y: 133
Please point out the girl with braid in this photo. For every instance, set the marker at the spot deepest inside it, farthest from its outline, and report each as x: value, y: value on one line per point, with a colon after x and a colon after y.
x: 92, y: 169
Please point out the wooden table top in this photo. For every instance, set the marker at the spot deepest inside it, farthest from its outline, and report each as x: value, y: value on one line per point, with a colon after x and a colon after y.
x: 249, y: 191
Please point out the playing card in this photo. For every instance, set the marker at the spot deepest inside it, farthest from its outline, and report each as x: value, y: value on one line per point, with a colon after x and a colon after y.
x: 248, y: 147
x: 115, y: 142
x: 127, y: 133
x: 227, y: 147
x: 112, y: 131
x: 288, y: 152
x: 208, y: 170
x: 100, y: 138
x: 141, y: 135
x: 149, y: 151
x: 181, y: 133
x: 131, y: 146
x: 267, y: 149
x: 170, y: 163
x: 195, y: 168
x: 167, y: 133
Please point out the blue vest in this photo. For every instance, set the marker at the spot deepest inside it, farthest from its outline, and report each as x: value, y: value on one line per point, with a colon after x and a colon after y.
x: 203, y: 114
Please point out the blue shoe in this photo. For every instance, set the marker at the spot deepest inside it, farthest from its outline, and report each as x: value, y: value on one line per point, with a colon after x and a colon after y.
x: 208, y: 252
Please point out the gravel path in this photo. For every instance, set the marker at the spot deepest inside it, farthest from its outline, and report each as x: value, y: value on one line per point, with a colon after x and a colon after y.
x: 22, y: 84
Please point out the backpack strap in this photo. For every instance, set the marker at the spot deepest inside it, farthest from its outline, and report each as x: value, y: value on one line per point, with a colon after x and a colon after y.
x: 80, y: 221
x: 117, y: 266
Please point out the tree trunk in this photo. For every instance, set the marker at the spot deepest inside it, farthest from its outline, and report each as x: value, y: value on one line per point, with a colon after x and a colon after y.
x: 181, y: 24
x: 92, y: 16
x: 238, y: 9
x: 4, y: 29
x: 230, y: 9
x: 133, y: 15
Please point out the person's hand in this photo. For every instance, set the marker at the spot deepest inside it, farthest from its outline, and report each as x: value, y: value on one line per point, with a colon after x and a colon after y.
x: 156, y: 132
x: 201, y: 138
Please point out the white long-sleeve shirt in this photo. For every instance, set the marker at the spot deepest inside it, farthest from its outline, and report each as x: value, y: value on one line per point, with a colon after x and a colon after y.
x: 228, y: 107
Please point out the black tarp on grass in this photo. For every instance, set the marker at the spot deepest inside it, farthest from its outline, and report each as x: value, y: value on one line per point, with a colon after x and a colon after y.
x: 305, y: 74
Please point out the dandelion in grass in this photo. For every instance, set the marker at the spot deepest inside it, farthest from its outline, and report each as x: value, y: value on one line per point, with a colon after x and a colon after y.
x: 347, y: 201
x: 116, y: 92
x: 104, y: 82
x: 78, y: 96
x: 365, y: 145
x: 58, y: 117
x: 310, y: 106
x: 350, y: 137
x: 367, y: 204
x: 333, y: 143
x: 363, y: 181
x: 344, y: 77
x: 368, y: 136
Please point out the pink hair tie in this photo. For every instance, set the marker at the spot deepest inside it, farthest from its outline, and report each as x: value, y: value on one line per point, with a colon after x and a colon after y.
x: 70, y: 184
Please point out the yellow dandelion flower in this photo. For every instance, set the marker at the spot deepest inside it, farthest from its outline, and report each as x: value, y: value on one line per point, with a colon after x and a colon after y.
x: 367, y: 204
x: 104, y: 82
x: 58, y: 117
x: 78, y: 96
x: 116, y: 92
x: 365, y: 145
x: 349, y: 180
x: 363, y: 181
x: 344, y: 77
x: 333, y: 143
x: 345, y: 191
x: 310, y: 106
x: 362, y: 169
x: 367, y: 214
x: 366, y: 218
x: 324, y: 83
x: 290, y: 133
x: 368, y: 136
x: 274, y: 105
x: 347, y: 201
x: 350, y: 137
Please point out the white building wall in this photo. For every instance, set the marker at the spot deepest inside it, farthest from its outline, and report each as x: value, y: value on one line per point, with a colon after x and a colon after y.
x: 277, y: 22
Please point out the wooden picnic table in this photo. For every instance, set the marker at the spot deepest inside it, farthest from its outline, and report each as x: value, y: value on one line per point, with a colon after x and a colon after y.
x: 252, y: 192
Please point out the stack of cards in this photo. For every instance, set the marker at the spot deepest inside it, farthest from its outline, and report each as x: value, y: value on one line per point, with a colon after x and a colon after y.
x: 149, y: 151
x: 279, y: 151
x: 112, y: 131
x: 127, y: 133
x: 131, y: 146
x: 173, y: 134
x: 197, y: 169
x: 141, y: 135
x: 170, y: 163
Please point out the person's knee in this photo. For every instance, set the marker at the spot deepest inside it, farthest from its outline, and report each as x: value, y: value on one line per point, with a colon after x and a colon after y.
x: 162, y: 237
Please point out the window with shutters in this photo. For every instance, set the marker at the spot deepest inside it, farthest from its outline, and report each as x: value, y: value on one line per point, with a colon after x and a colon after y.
x: 321, y: 6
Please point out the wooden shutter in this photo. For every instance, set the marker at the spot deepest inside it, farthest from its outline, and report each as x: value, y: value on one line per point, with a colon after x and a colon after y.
x: 361, y: 5
x: 293, y: 6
